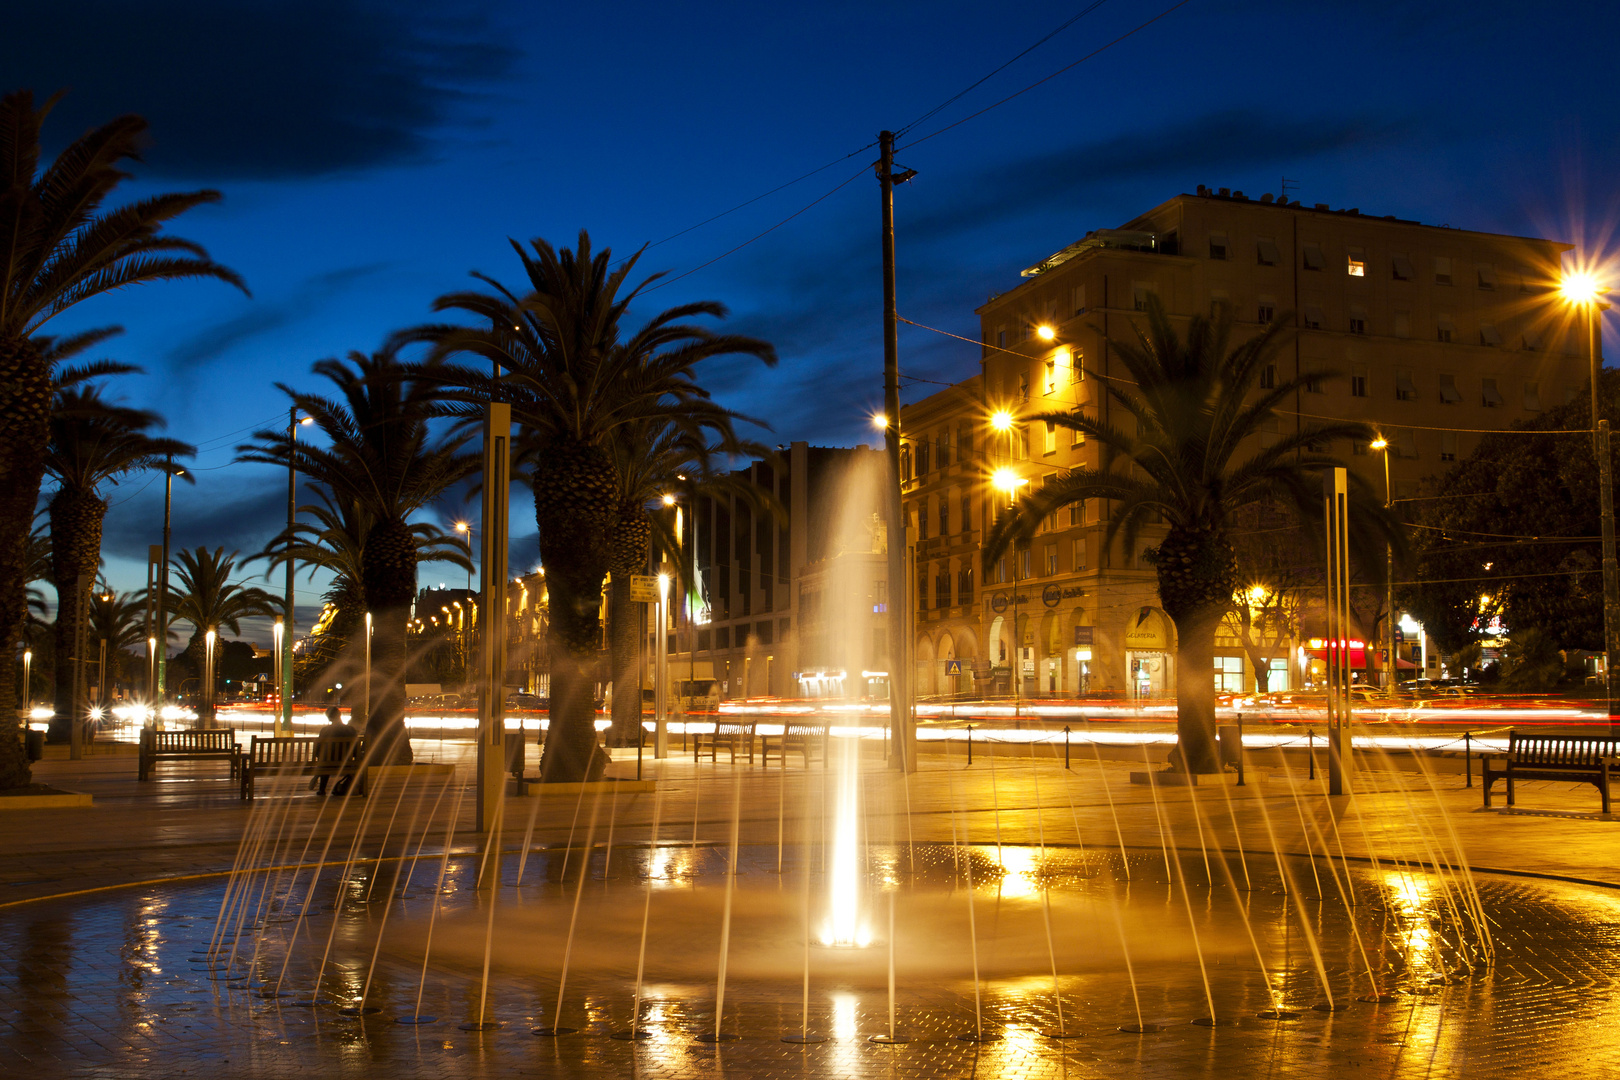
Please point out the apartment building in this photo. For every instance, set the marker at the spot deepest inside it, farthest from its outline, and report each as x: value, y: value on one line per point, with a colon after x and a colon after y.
x: 795, y: 607
x: 1431, y: 334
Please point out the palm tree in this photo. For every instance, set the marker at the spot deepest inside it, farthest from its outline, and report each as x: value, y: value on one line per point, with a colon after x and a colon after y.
x: 577, y: 386
x: 1192, y: 461
x: 93, y: 442
x: 336, y: 542
x: 204, y: 595
x: 118, y: 622
x: 382, y: 464
x: 656, y: 462
x: 61, y: 247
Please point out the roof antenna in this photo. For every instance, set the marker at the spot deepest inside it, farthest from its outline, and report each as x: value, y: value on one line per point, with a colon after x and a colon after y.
x: 1286, y: 184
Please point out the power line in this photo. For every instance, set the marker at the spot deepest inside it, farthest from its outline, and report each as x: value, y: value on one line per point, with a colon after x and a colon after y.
x: 1094, y: 53
x: 955, y: 97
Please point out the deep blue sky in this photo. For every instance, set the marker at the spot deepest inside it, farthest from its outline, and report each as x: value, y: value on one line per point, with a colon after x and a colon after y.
x: 371, y: 154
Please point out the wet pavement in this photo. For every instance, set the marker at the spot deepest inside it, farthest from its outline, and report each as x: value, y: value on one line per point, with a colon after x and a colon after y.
x: 121, y: 982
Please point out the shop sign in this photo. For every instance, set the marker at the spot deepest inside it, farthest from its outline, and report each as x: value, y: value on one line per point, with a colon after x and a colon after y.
x: 1051, y: 596
x: 1084, y: 635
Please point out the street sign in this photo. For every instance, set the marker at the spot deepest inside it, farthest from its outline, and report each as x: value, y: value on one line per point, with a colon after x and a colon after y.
x: 643, y: 589
x: 953, y: 667
x: 1083, y: 635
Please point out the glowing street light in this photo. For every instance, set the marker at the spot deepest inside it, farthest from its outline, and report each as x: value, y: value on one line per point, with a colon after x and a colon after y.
x: 669, y: 500
x: 466, y: 531
x: 1001, y: 420
x: 879, y: 421
x: 1007, y: 480
x: 1379, y: 443
x: 1045, y: 332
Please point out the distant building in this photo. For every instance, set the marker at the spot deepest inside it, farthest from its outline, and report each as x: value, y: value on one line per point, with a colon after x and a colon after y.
x: 793, y: 607
x: 1430, y: 334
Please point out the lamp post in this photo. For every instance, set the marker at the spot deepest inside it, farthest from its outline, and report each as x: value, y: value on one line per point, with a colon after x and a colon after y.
x: 1007, y: 479
x: 28, y: 686
x: 1393, y: 666
x: 284, y: 713
x: 367, y: 713
x: 161, y: 630
x: 466, y: 530
x: 661, y: 673
x: 1582, y: 291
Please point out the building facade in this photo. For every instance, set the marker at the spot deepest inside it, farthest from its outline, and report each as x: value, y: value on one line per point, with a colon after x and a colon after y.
x: 1432, y: 335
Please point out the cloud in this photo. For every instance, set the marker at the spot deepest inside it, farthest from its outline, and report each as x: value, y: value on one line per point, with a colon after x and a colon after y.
x: 264, y: 317
x: 286, y: 88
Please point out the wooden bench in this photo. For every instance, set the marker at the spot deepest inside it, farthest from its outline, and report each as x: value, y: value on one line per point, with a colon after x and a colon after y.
x: 187, y: 745
x: 1577, y: 758
x: 801, y: 737
x: 727, y: 733
x: 303, y: 756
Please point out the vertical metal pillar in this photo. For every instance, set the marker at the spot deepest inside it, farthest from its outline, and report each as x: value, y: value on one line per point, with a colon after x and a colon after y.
x: 284, y: 713
x: 154, y: 555
x: 1335, y: 492
x: 492, y: 654
x: 900, y: 674
x: 661, y: 671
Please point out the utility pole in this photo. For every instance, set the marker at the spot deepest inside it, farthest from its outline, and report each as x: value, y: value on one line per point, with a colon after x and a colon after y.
x: 902, y: 735
x: 284, y: 711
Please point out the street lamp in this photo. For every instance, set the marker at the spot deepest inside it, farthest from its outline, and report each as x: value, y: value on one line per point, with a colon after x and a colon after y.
x: 284, y: 713
x: 466, y: 530
x: 1393, y: 668
x: 1008, y: 480
x: 1046, y: 332
x: 1581, y: 290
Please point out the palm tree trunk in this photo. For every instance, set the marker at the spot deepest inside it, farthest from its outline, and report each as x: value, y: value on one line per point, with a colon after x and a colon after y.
x: 1195, y: 690
x: 388, y: 566
x: 25, y: 402
x: 575, y: 640
x: 624, y: 650
x: 75, y: 522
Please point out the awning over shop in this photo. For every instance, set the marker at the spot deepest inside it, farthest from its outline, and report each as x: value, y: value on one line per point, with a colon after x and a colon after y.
x: 1317, y: 649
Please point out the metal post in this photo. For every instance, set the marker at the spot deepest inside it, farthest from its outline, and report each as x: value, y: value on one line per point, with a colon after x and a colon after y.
x: 1391, y: 665
x: 661, y: 674
x: 1468, y: 757
x: 1310, y: 753
x: 154, y: 554
x: 970, y: 744
x: 1611, y: 574
x: 901, y: 720
x: 1336, y: 493
x: 276, y: 633
x: 492, y: 655
x: 1065, y: 746
x: 284, y: 713
x: 163, y: 600
x: 1240, y: 779
x: 367, y: 713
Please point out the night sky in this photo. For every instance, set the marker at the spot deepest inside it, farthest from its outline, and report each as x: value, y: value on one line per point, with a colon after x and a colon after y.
x: 372, y: 154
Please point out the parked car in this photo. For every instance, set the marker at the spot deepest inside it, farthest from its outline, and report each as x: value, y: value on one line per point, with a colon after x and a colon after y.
x: 527, y: 702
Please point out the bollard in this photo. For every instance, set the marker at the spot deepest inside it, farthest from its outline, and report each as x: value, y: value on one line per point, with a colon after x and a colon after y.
x: 1240, y: 780
x: 970, y: 744
x: 1065, y: 746
x: 1468, y: 757
x: 1310, y: 751
x: 641, y: 740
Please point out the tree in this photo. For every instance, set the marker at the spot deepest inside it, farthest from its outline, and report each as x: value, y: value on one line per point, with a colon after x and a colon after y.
x: 577, y: 386
x: 382, y: 464
x: 1512, y: 531
x: 204, y: 595
x: 93, y: 442
x: 1276, y: 566
x: 60, y: 248
x: 118, y: 621
x: 1193, y: 461
x: 655, y: 461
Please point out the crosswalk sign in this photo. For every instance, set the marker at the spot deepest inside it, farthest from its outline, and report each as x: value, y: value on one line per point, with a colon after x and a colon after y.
x: 953, y: 667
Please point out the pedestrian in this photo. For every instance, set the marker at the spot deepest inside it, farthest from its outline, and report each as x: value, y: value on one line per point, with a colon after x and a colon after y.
x: 335, y: 729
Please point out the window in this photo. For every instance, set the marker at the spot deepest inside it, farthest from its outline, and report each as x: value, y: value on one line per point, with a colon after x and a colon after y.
x: 1405, y: 388
x: 1076, y: 437
x: 1140, y: 290
x: 944, y: 516
x: 964, y: 585
x: 1023, y: 563
x: 1229, y: 674
x: 1077, y: 366
x: 1312, y: 256
x: 1442, y: 270
x: 1485, y: 275
x: 1532, y: 340
x: 1448, y: 390
x: 1401, y: 267
x: 763, y: 632
x: 1356, y: 265
x: 1001, y: 570
x: 1313, y: 317
x: 1051, y: 559
x: 1051, y: 437
x: 1077, y: 512
x: 1051, y: 377
x: 1358, y: 319
x: 1358, y: 380
x: 943, y: 442
x: 1023, y: 386
x: 1001, y: 337
x: 1489, y: 335
x: 1217, y: 245
x: 905, y: 463
x: 1313, y: 376
x: 1448, y: 446
x: 1268, y: 377
x: 1265, y: 250
x: 1405, y: 443
x: 922, y: 458
x: 922, y: 588
x: 1403, y: 323
x: 1358, y: 448
x: 1490, y: 397
x: 1077, y: 300
x: 922, y: 520
x: 942, y: 590
x: 1444, y: 328
x: 967, y: 512
x: 1532, y: 396
x: 1077, y: 554
x: 1023, y: 443
x: 1267, y: 311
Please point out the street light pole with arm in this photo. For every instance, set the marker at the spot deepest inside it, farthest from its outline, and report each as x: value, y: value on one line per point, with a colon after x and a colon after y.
x: 1392, y: 666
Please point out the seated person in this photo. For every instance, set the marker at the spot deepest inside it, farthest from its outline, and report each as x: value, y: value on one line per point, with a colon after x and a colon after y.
x: 334, y: 729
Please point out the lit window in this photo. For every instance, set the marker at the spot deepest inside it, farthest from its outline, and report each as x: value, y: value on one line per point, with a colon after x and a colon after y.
x: 1357, y: 264
x: 1313, y: 260
x: 1266, y: 252
x: 1448, y: 390
x: 1051, y: 437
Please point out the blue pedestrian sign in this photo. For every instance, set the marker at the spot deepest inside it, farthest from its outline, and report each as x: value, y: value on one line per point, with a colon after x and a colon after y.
x: 953, y: 667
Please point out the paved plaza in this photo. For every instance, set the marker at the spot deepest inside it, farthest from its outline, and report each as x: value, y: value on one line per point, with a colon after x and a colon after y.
x: 114, y: 961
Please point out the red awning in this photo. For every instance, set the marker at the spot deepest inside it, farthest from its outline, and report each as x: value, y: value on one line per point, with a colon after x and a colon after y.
x: 1404, y: 665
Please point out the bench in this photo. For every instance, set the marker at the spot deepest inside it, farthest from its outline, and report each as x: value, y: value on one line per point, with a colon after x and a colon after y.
x: 727, y: 733
x: 800, y: 737
x: 187, y: 745
x: 1577, y: 758
x: 303, y: 756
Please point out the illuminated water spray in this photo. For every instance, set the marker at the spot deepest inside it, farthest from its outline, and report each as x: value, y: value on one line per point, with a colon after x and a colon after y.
x: 845, y: 865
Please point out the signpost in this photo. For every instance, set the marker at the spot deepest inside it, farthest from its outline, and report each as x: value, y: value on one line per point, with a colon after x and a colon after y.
x: 1336, y: 495
x: 492, y: 654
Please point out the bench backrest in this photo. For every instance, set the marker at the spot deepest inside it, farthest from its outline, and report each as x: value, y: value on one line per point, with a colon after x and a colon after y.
x: 281, y: 750
x: 192, y: 740
x: 1560, y: 750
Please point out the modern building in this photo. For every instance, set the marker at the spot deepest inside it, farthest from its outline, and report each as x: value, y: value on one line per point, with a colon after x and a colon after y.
x: 1431, y: 334
x: 795, y: 603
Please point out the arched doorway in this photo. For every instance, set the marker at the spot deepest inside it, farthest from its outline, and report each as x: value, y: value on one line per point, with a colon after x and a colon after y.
x: 1149, y: 638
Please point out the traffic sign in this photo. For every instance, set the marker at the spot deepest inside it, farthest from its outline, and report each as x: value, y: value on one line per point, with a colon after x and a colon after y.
x: 953, y: 667
x: 643, y: 589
